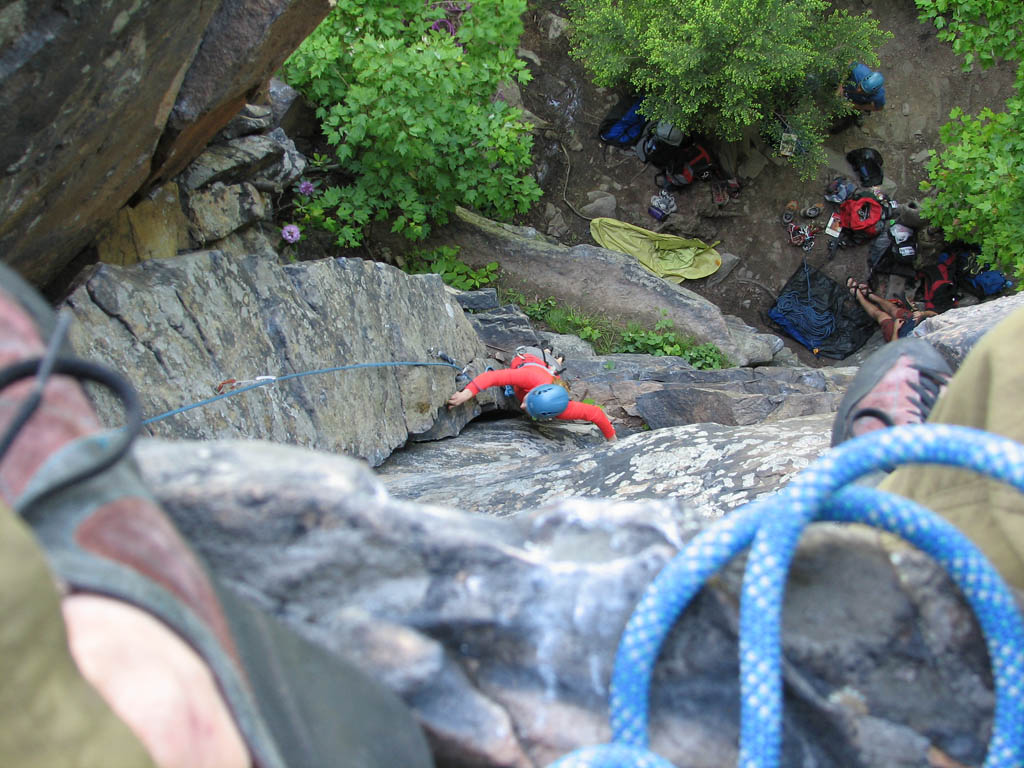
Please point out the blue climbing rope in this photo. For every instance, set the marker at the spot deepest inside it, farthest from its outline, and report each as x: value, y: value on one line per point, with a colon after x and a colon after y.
x: 812, y: 324
x: 771, y: 528
x: 265, y: 380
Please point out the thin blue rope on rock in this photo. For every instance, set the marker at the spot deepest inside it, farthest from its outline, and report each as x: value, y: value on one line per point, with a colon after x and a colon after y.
x: 276, y: 379
x: 771, y: 528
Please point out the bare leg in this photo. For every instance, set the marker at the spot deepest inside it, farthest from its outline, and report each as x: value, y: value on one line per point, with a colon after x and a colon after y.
x: 888, y: 307
x: 877, y: 313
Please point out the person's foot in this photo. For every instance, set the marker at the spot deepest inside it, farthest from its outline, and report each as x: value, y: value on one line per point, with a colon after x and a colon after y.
x: 896, y: 385
x: 854, y: 288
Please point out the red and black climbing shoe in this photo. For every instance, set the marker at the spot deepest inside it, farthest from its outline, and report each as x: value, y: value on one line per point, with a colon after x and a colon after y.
x: 897, y: 385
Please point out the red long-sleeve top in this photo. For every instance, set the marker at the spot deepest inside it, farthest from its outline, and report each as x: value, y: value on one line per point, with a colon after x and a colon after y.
x: 524, y: 377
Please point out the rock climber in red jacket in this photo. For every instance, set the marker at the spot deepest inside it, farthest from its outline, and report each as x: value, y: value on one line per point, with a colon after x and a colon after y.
x: 539, y: 391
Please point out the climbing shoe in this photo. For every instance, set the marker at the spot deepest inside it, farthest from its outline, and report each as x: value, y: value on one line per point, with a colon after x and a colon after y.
x: 897, y: 385
x: 103, y: 533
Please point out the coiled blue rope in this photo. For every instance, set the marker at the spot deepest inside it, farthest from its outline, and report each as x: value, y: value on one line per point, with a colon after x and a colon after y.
x: 275, y: 379
x: 771, y: 528
x: 811, y: 324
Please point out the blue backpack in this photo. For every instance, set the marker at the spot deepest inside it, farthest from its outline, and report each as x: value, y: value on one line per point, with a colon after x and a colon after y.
x: 978, y: 278
x: 623, y: 129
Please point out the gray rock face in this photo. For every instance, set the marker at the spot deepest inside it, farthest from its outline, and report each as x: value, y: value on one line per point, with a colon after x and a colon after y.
x: 501, y: 633
x: 178, y: 327
x: 713, y: 467
x: 270, y: 163
x: 487, y: 578
x: 87, y: 92
x: 603, y: 282
x: 956, y: 331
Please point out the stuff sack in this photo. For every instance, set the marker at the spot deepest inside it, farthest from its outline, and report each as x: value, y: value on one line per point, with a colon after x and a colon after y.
x: 938, y: 284
x: 839, y: 189
x: 904, y: 244
x: 687, y: 165
x: 623, y: 129
x: 868, y: 164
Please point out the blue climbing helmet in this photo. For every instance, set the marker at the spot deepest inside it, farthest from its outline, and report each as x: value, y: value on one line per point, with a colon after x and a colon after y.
x: 546, y: 401
x: 871, y: 83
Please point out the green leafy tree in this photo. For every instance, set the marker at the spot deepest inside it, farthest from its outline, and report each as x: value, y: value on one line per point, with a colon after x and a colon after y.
x: 410, y: 111
x: 977, y: 180
x: 719, y: 66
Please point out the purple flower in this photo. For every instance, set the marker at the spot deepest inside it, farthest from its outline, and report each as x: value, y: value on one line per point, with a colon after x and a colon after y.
x: 306, y: 188
x: 291, y: 233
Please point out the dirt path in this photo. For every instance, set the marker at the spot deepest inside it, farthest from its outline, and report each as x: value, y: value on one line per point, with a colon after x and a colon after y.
x: 923, y: 82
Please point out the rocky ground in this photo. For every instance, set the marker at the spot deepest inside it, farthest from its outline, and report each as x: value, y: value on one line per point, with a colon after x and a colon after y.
x: 923, y: 82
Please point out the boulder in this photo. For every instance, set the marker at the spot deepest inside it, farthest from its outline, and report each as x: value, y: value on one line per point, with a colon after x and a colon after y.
x: 269, y: 162
x: 99, y: 104
x: 155, y: 228
x: 600, y: 282
x: 499, y: 627
x: 244, y: 44
x: 220, y: 209
x: 179, y: 327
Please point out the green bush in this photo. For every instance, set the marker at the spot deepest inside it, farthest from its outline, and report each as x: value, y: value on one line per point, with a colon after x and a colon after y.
x: 608, y: 340
x: 977, y: 181
x: 445, y: 262
x: 662, y: 341
x: 411, y: 114
x: 717, y: 68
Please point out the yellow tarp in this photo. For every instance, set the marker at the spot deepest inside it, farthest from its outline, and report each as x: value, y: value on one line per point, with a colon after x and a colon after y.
x: 669, y: 256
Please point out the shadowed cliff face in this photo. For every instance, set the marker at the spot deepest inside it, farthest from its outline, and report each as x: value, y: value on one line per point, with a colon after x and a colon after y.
x: 99, y: 100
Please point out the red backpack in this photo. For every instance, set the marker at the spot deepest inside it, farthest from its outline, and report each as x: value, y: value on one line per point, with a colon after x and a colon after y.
x: 862, y: 213
x: 938, y: 284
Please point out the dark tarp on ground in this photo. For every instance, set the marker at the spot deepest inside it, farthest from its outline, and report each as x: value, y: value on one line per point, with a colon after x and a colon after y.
x: 852, y: 325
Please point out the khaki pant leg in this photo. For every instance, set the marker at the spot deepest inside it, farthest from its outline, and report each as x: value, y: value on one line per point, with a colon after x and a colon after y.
x: 987, y: 392
x: 49, y: 714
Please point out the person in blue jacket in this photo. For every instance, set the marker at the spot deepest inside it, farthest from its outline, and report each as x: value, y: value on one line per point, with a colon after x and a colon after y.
x: 865, y: 89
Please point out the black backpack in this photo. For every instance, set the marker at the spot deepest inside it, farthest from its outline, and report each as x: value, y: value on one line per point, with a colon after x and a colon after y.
x: 687, y: 165
x: 868, y: 164
x: 904, y: 244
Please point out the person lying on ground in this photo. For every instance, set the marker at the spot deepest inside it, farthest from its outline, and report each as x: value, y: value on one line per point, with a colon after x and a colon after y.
x: 895, y: 322
x: 539, y: 390
x: 910, y: 382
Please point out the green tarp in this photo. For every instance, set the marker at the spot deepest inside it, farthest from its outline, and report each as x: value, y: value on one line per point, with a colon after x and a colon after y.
x: 669, y: 256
